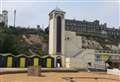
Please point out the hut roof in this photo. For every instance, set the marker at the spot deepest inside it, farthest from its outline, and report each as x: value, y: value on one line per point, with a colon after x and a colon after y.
x: 21, y: 55
x: 6, y: 54
x: 34, y: 55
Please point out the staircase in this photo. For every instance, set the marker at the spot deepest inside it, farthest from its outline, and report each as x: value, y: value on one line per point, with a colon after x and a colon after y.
x: 78, y: 53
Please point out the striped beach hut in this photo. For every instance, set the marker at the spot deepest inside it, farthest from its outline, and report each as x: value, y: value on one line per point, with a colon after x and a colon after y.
x: 49, y: 62
x: 7, y: 60
x: 21, y: 61
x: 34, y: 60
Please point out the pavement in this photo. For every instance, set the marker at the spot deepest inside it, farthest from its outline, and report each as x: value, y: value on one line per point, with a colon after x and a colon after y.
x: 60, y: 77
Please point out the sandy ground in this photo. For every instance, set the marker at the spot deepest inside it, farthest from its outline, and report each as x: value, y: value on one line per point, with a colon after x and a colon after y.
x: 57, y: 77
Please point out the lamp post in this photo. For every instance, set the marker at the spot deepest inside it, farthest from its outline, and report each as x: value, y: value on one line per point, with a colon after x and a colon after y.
x: 14, y: 17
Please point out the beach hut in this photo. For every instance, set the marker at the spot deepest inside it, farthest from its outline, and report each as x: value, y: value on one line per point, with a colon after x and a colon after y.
x: 49, y: 61
x: 7, y: 60
x: 34, y: 60
x: 21, y: 61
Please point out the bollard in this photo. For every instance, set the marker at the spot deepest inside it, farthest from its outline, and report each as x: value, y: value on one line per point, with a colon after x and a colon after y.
x: 34, y: 71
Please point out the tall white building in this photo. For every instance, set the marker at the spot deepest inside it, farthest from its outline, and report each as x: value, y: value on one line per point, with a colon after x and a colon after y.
x: 4, y: 17
x: 1, y: 18
x: 56, y: 34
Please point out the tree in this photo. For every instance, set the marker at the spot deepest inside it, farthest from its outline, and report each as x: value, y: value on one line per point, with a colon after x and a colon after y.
x: 11, y: 40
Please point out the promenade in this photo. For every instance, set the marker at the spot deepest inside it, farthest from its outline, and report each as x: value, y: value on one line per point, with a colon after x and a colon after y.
x: 60, y: 77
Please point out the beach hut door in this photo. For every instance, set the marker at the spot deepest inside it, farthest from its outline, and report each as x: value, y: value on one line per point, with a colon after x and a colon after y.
x: 9, y: 62
x: 36, y: 61
x: 22, y: 62
x: 49, y: 63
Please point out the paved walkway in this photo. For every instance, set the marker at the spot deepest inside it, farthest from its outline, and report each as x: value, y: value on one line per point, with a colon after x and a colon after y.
x: 58, y: 77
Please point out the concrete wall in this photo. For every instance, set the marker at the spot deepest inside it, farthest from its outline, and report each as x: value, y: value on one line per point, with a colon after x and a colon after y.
x: 79, y: 57
x: 72, y: 44
x: 82, y: 59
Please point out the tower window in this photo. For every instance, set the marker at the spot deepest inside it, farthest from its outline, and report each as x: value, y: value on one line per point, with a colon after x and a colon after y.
x: 58, y: 43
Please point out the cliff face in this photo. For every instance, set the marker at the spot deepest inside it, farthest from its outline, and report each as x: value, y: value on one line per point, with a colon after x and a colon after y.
x: 99, y: 43
x: 33, y: 39
x: 37, y: 42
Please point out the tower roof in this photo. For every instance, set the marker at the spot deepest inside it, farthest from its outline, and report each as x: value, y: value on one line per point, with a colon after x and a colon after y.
x: 57, y: 9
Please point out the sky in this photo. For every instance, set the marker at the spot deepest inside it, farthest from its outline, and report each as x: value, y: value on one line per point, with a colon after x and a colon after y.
x: 35, y: 12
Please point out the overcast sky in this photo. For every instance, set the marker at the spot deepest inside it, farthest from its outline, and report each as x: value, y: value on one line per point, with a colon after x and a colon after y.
x: 34, y: 12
